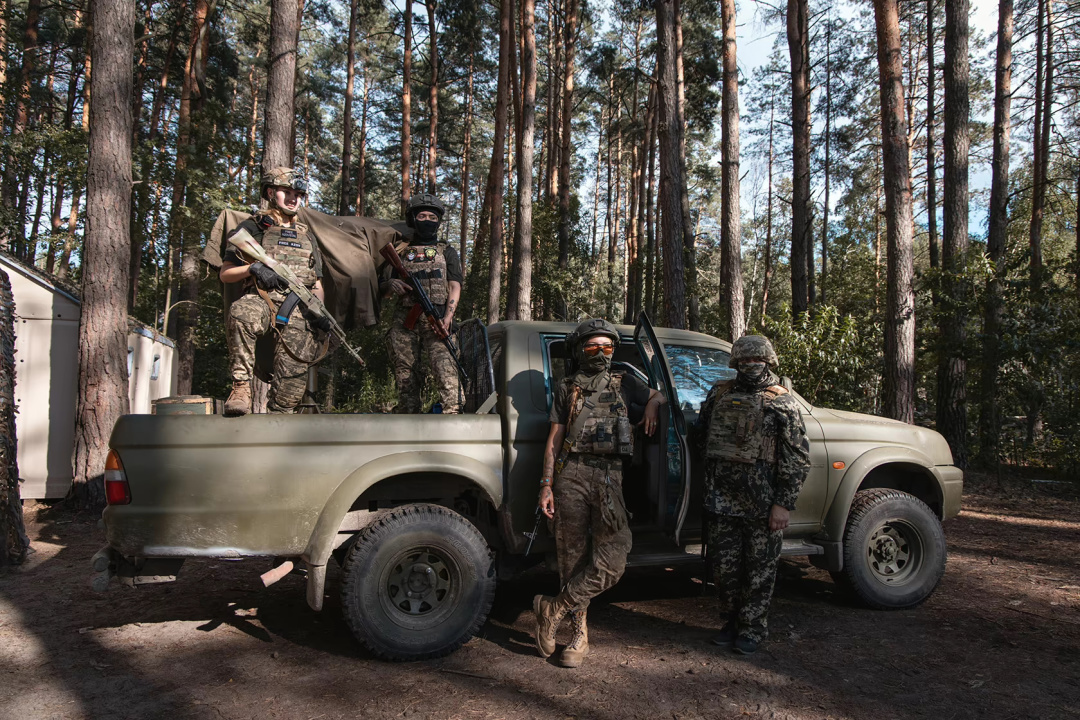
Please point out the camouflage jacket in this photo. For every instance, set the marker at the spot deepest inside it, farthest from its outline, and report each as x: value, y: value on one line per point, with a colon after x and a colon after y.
x: 751, y: 489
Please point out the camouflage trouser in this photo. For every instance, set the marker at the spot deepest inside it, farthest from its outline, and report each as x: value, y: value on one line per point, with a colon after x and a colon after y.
x: 405, y: 347
x: 744, y: 553
x: 248, y: 319
x: 592, y: 535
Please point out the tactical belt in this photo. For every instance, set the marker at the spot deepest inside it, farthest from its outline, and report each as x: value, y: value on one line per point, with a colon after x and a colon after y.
x: 600, y: 462
x: 285, y: 309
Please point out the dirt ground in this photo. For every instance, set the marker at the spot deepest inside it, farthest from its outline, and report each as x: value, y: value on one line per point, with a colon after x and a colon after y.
x: 999, y: 639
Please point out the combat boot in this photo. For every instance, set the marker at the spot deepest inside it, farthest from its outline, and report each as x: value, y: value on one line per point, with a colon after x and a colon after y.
x: 549, y: 613
x: 574, y: 654
x: 239, y: 402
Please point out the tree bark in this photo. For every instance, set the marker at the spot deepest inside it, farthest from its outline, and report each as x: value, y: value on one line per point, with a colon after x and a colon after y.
x: 767, y: 279
x: 279, y: 115
x: 433, y: 100
x: 361, y: 175
x: 13, y: 540
x: 406, y: 109
x: 502, y: 108
x: 672, y: 172
x: 899, y: 380
x: 989, y: 420
x: 347, y: 114
x: 801, y: 224
x: 1044, y: 84
x: 103, y: 325
x: 20, y: 119
x: 828, y: 167
x: 693, y: 302
x: 569, y: 40
x: 650, y: 194
x: 465, y: 152
x: 731, y: 287
x: 931, y: 159
x: 519, y: 304
x: 952, y: 364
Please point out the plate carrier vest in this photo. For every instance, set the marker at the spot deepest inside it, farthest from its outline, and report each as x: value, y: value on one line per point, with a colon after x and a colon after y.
x: 427, y: 263
x: 736, y: 427
x: 607, y: 431
x: 293, y: 248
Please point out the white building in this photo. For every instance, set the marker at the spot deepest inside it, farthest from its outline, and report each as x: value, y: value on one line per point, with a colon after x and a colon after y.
x: 47, y: 376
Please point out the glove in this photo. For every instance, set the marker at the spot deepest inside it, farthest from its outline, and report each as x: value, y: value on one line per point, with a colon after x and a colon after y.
x: 266, y: 278
x: 320, y: 322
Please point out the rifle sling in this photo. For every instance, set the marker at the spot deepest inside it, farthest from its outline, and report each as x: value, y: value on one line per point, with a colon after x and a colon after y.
x: 579, y: 422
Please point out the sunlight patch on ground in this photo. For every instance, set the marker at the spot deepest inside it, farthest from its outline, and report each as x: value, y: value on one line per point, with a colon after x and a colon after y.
x: 1025, y: 521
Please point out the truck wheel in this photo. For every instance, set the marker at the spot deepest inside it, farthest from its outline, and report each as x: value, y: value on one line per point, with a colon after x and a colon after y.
x: 418, y: 583
x: 894, y: 549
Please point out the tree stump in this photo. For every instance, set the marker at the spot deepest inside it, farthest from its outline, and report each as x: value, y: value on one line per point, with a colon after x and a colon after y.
x: 13, y: 540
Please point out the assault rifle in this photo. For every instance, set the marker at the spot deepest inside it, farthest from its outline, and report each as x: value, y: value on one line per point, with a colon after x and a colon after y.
x: 246, y: 245
x: 425, y: 306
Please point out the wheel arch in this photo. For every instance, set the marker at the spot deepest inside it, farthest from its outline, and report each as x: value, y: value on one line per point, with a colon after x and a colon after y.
x: 898, y: 468
x: 387, y: 477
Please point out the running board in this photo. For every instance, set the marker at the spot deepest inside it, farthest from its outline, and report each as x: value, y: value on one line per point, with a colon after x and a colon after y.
x: 663, y: 558
x: 801, y: 547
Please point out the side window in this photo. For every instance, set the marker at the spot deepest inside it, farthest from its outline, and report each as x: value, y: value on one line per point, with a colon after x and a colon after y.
x: 695, y: 370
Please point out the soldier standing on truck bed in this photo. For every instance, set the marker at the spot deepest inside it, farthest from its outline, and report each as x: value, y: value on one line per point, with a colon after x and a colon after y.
x: 267, y: 303
x: 756, y: 459
x: 582, y: 489
x: 437, y: 266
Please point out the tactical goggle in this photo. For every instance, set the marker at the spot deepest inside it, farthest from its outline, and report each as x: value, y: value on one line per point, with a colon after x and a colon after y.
x: 595, y: 349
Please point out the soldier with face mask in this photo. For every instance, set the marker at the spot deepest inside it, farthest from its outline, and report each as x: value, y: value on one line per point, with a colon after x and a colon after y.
x: 267, y: 303
x: 437, y: 266
x: 756, y: 459
x: 581, y: 488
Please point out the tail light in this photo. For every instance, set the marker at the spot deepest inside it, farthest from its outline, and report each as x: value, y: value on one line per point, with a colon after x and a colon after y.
x: 117, y: 491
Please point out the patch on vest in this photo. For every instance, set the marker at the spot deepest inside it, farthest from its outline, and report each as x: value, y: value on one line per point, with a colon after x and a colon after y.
x: 290, y: 243
x: 285, y: 232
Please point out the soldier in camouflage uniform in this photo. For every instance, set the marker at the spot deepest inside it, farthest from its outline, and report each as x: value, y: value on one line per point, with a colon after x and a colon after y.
x: 756, y: 459
x: 591, y: 423
x: 267, y: 305
x: 437, y: 266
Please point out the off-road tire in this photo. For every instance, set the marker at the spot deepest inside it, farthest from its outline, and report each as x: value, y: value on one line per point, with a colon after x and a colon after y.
x: 432, y: 552
x: 894, y: 549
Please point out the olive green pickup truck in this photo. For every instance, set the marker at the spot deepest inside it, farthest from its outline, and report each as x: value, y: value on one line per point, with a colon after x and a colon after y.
x: 425, y: 513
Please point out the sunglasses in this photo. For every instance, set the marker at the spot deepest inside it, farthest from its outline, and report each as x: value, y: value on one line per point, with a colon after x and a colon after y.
x: 595, y: 349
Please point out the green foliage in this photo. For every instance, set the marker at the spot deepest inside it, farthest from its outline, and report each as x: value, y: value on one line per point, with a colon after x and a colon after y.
x: 831, y: 359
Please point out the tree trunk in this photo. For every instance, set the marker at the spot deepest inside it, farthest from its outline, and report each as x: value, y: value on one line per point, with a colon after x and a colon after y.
x: 502, y: 108
x: 827, y: 168
x: 466, y: 150
x: 13, y: 540
x: 767, y: 279
x: 931, y: 159
x: 519, y: 304
x: 433, y: 100
x: 672, y: 173
x: 731, y: 287
x: 278, y: 117
x: 801, y: 224
x: 406, y: 110
x: 347, y: 115
x: 693, y: 304
x: 952, y: 365
x: 899, y: 380
x: 103, y: 326
x: 361, y: 175
x: 650, y: 195
x: 185, y: 310
x: 569, y: 40
x: 554, y: 94
x: 989, y: 421
x: 1044, y: 84
x: 20, y: 119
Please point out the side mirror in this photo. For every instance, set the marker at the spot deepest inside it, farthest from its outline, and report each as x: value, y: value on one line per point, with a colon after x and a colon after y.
x: 786, y: 382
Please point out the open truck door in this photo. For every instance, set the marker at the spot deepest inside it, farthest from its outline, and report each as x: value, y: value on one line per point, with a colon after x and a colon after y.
x: 675, y: 504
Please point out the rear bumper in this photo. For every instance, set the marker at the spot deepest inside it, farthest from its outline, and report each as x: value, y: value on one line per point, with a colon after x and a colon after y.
x: 951, y: 479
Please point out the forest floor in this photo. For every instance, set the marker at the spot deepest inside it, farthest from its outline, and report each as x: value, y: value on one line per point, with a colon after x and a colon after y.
x: 999, y: 639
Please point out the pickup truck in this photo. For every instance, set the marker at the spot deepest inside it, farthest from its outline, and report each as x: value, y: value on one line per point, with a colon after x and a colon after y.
x: 425, y: 513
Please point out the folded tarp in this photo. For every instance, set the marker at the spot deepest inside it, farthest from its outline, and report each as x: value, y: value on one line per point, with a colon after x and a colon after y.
x: 350, y: 251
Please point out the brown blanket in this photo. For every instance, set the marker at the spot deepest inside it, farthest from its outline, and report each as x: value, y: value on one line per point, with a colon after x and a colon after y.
x: 350, y: 250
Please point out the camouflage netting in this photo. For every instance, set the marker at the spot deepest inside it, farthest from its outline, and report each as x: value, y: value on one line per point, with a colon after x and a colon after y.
x: 13, y: 540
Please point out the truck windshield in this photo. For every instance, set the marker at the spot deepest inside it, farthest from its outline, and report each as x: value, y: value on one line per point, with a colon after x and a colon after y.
x: 695, y: 370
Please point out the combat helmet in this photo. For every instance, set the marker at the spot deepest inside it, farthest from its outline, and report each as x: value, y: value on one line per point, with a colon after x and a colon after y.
x: 592, y: 328
x: 284, y: 177
x: 423, y: 201
x: 753, y: 346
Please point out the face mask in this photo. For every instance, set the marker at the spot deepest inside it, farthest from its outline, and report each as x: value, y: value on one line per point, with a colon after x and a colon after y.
x: 427, y: 229
x: 753, y: 371
x: 594, y: 363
